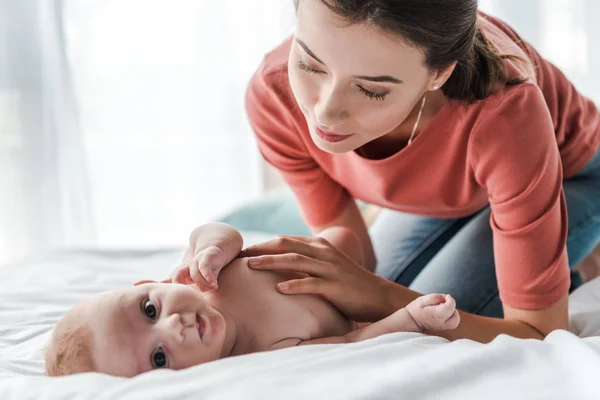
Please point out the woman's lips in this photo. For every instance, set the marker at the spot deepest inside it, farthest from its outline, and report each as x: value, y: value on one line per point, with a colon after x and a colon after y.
x: 330, y: 136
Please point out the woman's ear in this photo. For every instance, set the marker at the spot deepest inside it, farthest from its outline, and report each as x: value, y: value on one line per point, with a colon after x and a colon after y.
x: 441, y: 76
x: 142, y: 282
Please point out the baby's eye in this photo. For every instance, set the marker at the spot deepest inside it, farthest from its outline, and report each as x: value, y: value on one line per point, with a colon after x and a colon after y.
x: 149, y: 309
x: 159, y: 358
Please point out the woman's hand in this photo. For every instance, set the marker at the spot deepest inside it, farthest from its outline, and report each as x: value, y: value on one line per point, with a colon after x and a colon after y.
x: 356, y: 292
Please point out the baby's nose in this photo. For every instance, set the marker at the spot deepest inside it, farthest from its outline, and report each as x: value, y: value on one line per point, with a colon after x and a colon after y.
x: 172, y: 329
x: 175, y: 325
x: 188, y: 318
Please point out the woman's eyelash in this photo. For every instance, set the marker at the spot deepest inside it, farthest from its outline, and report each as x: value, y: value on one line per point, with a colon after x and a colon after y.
x: 372, y: 95
x: 304, y: 67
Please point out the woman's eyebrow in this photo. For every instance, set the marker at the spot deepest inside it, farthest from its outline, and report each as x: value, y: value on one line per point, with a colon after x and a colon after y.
x: 379, y: 79
x: 382, y: 78
x: 308, y: 50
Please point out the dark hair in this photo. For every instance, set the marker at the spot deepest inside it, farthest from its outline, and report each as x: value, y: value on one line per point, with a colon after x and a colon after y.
x: 447, y: 32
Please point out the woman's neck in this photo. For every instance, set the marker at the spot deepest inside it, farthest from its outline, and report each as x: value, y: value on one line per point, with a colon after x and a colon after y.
x: 397, y: 139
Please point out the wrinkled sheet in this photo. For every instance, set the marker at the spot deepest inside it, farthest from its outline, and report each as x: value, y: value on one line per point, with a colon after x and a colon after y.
x: 35, y: 293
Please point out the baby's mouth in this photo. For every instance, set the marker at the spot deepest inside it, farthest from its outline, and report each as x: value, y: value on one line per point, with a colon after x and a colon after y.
x: 200, y: 325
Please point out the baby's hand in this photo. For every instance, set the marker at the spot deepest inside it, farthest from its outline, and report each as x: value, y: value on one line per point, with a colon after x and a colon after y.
x: 212, y: 246
x: 202, y: 268
x: 434, y: 312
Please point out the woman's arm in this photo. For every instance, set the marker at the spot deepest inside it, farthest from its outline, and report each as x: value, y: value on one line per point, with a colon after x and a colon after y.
x: 432, y: 311
x: 352, y: 219
x: 520, y: 167
x: 364, y: 296
x: 534, y: 324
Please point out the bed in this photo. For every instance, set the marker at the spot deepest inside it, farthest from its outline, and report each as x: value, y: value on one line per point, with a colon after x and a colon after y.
x: 35, y: 293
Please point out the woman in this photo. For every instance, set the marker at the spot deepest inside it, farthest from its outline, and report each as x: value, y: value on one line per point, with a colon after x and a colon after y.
x: 485, y: 151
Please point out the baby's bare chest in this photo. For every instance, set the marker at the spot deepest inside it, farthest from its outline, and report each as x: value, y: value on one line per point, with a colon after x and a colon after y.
x: 272, y: 317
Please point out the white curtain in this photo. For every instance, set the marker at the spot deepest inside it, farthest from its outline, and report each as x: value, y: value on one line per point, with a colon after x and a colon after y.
x: 44, y: 196
x: 122, y: 121
x: 161, y: 91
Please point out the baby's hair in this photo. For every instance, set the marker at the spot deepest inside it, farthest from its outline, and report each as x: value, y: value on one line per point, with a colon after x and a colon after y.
x: 70, y: 349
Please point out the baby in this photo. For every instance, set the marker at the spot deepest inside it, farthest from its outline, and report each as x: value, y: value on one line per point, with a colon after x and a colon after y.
x: 166, y: 325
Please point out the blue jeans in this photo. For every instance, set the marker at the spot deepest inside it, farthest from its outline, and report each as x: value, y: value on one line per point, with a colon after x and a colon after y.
x: 435, y: 255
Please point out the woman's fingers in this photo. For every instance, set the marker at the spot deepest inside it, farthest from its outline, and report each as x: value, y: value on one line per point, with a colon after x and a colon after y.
x: 273, y: 246
x: 305, y: 239
x: 308, y: 285
x: 290, y: 262
x: 310, y: 247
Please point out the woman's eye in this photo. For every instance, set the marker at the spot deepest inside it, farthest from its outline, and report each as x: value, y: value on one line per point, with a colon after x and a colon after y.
x: 149, y: 309
x: 159, y: 358
x: 372, y: 95
x: 304, y: 67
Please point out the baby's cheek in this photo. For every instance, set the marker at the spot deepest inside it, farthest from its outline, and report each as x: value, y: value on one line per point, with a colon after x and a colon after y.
x: 201, y: 355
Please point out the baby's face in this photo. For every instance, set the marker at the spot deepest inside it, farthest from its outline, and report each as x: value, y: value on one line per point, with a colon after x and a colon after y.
x: 153, y: 326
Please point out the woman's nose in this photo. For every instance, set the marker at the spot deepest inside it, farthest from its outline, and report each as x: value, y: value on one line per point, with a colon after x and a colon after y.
x: 330, y: 110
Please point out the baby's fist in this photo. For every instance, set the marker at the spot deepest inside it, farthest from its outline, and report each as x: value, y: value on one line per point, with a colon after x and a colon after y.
x: 203, y: 269
x: 434, y: 312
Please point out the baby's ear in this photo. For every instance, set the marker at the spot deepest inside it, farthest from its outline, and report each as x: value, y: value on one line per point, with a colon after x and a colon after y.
x: 142, y: 282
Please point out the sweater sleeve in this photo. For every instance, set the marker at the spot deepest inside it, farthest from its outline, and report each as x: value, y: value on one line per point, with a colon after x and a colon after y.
x: 514, y: 155
x: 277, y: 124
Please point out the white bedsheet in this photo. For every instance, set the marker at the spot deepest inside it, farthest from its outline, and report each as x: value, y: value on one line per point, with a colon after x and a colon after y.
x: 34, y: 294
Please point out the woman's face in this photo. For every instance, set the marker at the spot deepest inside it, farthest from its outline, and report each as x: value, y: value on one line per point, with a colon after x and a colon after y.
x: 354, y: 82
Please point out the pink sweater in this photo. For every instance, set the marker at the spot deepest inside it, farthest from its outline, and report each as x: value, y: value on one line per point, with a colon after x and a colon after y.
x: 511, y: 150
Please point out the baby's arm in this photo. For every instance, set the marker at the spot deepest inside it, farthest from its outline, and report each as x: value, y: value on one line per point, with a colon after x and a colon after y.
x: 429, y: 312
x: 212, y: 246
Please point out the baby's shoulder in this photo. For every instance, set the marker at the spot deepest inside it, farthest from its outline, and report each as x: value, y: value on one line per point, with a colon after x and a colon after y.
x: 237, y: 274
